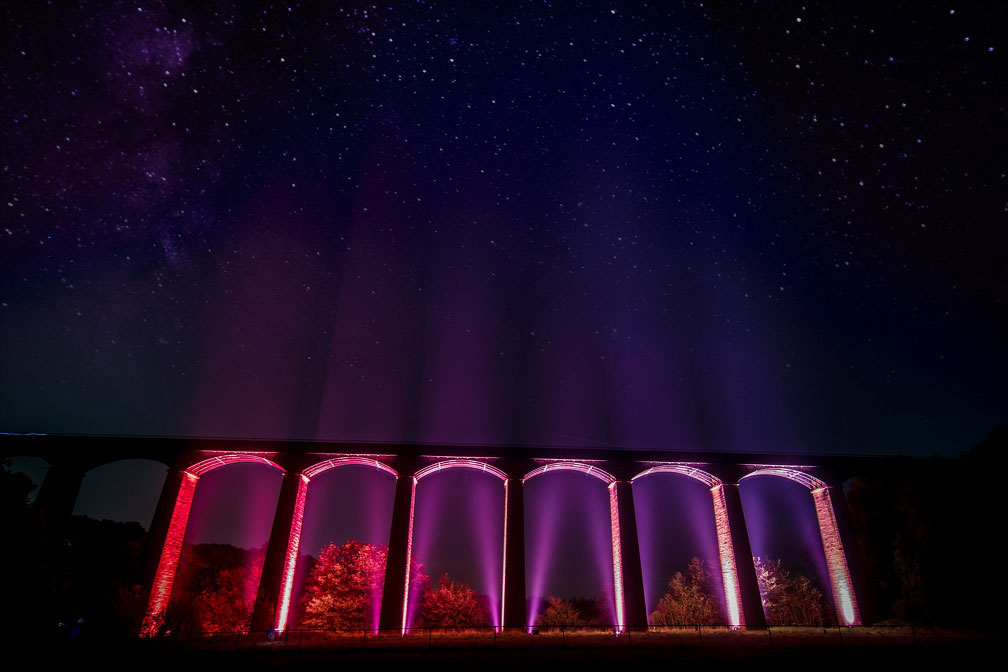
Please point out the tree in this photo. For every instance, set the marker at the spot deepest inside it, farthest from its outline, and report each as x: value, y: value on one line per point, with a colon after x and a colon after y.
x: 789, y: 599
x: 344, y: 587
x: 560, y: 612
x: 689, y: 600
x: 225, y: 605
x: 454, y: 604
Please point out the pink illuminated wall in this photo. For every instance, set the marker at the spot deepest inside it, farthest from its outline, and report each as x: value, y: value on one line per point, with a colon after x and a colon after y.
x: 844, y: 599
x: 164, y: 577
x: 726, y: 551
x: 294, y: 541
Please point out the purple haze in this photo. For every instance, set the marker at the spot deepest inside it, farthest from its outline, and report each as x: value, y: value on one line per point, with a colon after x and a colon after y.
x: 568, y: 542
x: 458, y: 529
x: 675, y: 522
x: 781, y: 521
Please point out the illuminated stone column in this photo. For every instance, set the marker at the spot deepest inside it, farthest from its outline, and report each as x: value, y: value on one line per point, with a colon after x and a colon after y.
x: 164, y: 576
x: 515, y: 600
x: 836, y: 560
x: 748, y: 588
x: 394, y: 593
x: 155, y: 542
x: 726, y: 558
x: 286, y: 520
x: 634, y: 604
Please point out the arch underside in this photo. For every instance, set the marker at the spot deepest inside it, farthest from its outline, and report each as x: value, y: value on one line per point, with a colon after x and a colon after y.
x: 164, y: 577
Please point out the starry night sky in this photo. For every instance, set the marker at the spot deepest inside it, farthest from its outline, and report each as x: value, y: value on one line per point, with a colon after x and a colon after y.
x: 720, y: 226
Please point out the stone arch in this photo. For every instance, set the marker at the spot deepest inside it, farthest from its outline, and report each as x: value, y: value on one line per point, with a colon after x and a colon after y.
x: 595, y: 471
x: 844, y: 599
x: 473, y: 464
x: 294, y: 541
x: 726, y: 550
x: 91, y: 487
x: 164, y: 577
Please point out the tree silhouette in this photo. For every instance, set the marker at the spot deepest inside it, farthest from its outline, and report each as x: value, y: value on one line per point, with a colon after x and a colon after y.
x: 689, y: 600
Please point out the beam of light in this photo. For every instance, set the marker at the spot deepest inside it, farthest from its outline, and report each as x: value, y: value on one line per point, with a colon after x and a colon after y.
x: 571, y: 465
x: 164, y: 578
x: 507, y: 481
x: 290, y: 560
x: 617, y: 556
x: 463, y: 463
x: 836, y: 559
x: 726, y: 553
x: 409, y: 554
x: 474, y: 464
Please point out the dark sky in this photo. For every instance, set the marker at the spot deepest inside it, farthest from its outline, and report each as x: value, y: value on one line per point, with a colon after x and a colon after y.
x: 720, y: 226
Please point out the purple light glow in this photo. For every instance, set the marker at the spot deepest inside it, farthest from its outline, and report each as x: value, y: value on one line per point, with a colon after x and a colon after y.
x: 678, y: 519
x: 836, y: 569
x: 782, y: 524
x: 453, y: 530
x: 569, y: 544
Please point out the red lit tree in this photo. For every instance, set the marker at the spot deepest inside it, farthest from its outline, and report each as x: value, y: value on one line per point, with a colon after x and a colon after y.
x: 344, y: 587
x: 454, y: 604
x: 226, y: 604
x: 689, y: 600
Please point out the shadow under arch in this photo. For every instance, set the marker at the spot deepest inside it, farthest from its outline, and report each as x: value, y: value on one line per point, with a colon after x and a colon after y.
x: 123, y: 490
x: 442, y: 465
x: 844, y: 599
x: 294, y: 541
x: 164, y: 578
x: 594, y: 471
x: 726, y: 551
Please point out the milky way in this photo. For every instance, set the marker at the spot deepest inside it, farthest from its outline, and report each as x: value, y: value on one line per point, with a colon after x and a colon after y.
x: 728, y: 227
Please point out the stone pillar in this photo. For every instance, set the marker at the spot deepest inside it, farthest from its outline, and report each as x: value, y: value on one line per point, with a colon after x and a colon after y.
x: 393, y: 606
x: 515, y: 600
x: 855, y: 562
x: 631, y: 575
x: 287, y: 519
x: 752, y: 603
x: 844, y: 599
x: 155, y: 541
x: 58, y: 495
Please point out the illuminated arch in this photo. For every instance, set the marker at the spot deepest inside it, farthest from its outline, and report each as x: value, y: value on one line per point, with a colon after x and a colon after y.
x: 617, y: 553
x: 443, y: 465
x: 571, y: 465
x: 164, y: 578
x: 726, y: 550
x: 844, y: 599
x: 294, y: 541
